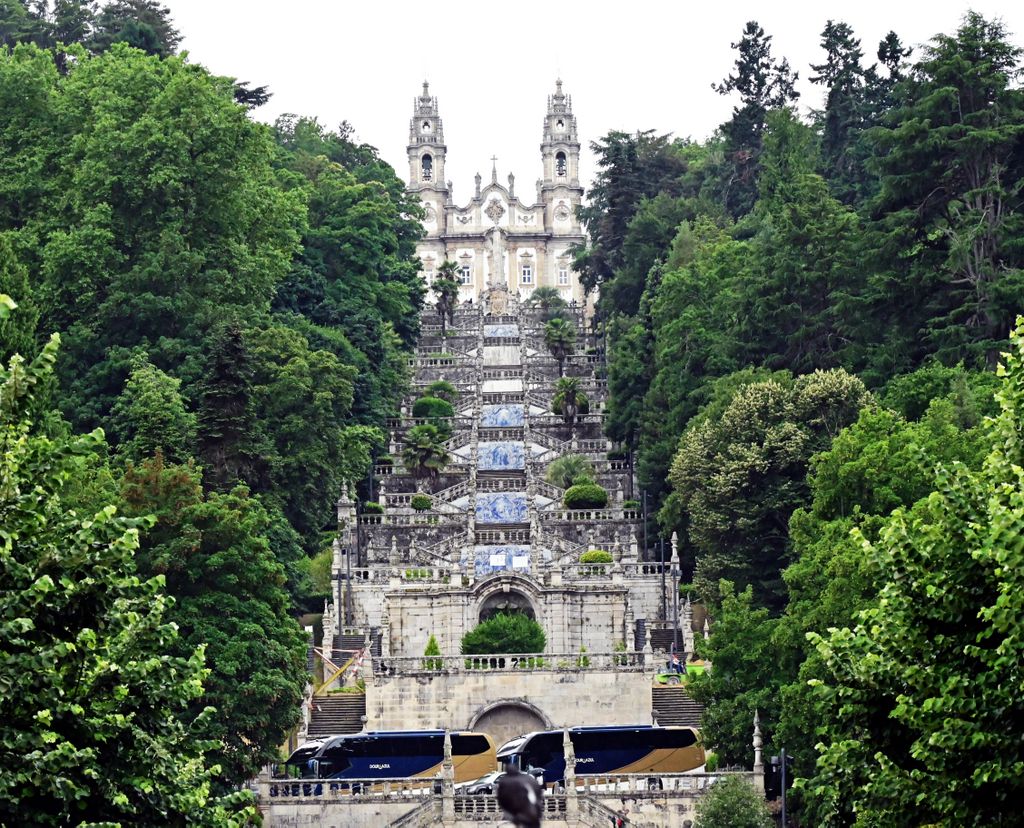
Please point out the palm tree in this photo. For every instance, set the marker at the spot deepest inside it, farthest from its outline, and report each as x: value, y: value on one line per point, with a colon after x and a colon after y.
x: 567, y: 468
x: 569, y: 400
x: 424, y: 454
x: 560, y: 337
x: 548, y: 299
x: 447, y: 290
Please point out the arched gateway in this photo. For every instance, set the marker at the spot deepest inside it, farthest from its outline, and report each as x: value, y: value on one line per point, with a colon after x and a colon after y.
x: 508, y: 718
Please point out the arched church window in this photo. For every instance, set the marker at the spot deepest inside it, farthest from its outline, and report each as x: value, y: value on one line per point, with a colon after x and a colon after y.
x: 560, y: 125
x: 428, y: 167
x: 560, y: 163
x: 426, y: 126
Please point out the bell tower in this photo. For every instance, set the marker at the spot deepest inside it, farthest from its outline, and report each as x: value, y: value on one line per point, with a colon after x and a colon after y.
x: 426, y: 144
x: 560, y: 148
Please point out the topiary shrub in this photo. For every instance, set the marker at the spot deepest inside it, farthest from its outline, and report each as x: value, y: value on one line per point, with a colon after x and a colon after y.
x: 431, y: 408
x: 585, y: 496
x: 372, y: 508
x: 421, y: 502
x: 516, y: 633
x: 443, y: 390
x: 618, y: 454
x: 432, y: 650
x: 596, y: 556
x: 385, y: 460
x: 630, y: 504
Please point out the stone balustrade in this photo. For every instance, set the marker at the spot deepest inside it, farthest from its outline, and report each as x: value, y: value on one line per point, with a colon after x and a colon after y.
x: 415, y: 788
x: 647, y: 786
x: 626, y: 661
x: 587, y: 515
x: 486, y: 809
x: 430, y: 518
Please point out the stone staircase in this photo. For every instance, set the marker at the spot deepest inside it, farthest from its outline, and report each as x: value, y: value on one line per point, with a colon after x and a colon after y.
x: 337, y: 713
x: 675, y: 706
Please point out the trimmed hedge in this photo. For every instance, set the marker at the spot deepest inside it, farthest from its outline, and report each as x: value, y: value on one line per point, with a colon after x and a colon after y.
x: 432, y: 407
x: 372, y: 508
x: 421, y: 502
x: 585, y: 496
x: 630, y: 504
x: 596, y: 556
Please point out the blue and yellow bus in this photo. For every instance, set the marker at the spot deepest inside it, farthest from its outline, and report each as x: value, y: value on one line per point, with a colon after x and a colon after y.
x: 608, y: 750
x: 387, y: 754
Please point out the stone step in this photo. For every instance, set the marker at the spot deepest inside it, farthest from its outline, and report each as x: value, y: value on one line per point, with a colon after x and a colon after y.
x: 675, y: 706
x: 337, y: 713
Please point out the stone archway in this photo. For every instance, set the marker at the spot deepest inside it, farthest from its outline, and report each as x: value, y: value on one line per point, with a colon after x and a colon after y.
x: 505, y: 719
x: 509, y: 603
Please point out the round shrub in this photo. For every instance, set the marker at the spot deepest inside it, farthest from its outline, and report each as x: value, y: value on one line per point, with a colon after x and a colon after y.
x: 596, y: 556
x: 421, y: 502
x: 585, y: 496
x: 429, y: 408
x: 515, y: 633
x: 372, y: 508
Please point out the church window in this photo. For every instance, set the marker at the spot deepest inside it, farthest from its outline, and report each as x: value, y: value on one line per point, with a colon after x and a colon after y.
x: 560, y: 163
x: 563, y: 276
x: 428, y: 167
x: 561, y: 124
x: 527, y: 274
x: 464, y: 274
x: 426, y: 126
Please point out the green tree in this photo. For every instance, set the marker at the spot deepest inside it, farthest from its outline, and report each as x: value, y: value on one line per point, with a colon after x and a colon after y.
x: 424, y: 453
x: 142, y: 24
x: 150, y: 416
x: 548, y: 299
x: 732, y: 803
x: 569, y: 400
x: 17, y: 332
x: 739, y: 477
x: 215, y: 556
x: 746, y: 676
x: 97, y: 705
x: 567, y: 468
x: 432, y: 650
x: 560, y: 337
x: 504, y: 633
x: 920, y: 704
x: 950, y: 208
x: 763, y: 85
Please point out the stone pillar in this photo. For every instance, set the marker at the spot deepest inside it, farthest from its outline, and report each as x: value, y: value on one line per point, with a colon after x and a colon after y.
x: 572, y: 805
x: 448, y: 782
x: 758, y: 759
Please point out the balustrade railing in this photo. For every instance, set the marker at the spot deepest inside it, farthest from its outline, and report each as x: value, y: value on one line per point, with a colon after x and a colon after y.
x: 587, y: 515
x: 430, y: 518
x: 396, y: 788
x: 578, y: 662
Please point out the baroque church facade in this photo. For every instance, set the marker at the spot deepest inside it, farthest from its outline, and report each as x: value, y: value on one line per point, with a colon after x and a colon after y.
x: 499, y: 238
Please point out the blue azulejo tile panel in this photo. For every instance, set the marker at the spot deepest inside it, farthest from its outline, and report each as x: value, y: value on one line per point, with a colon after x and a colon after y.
x: 493, y: 331
x: 494, y: 558
x: 501, y: 507
x: 495, y: 456
x: 502, y: 416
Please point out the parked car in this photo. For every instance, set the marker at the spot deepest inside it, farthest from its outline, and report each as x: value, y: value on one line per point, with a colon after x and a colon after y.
x: 489, y: 784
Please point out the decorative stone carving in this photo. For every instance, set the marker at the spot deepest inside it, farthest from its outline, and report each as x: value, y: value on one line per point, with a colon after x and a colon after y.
x: 494, y: 210
x: 463, y: 219
x: 526, y: 219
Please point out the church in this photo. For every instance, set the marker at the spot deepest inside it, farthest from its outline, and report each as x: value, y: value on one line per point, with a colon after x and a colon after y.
x: 498, y: 239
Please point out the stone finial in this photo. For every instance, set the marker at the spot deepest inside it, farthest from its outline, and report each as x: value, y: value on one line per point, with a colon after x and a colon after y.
x: 675, y: 547
x: 618, y: 492
x: 393, y: 557
x: 478, y: 179
x: 707, y: 629
x: 447, y: 748
x: 757, y: 744
x: 569, y: 752
x: 511, y: 185
x: 426, y: 89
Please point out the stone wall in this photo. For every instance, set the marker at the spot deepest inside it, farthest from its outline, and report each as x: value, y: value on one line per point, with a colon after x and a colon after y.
x: 564, y: 698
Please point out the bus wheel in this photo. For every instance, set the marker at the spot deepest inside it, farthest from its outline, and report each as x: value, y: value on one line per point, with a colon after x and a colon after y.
x: 654, y: 785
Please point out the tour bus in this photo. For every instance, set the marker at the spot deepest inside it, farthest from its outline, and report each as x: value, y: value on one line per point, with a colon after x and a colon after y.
x: 607, y: 750
x: 392, y: 754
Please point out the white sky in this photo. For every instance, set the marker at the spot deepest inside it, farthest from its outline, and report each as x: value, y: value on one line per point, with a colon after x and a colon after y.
x: 635, y: 65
